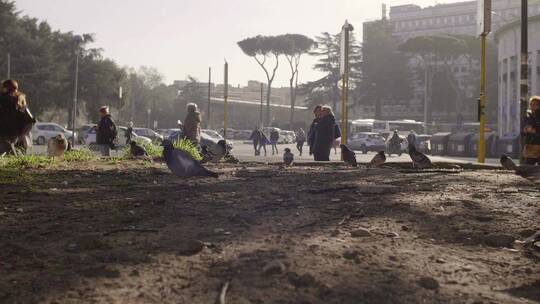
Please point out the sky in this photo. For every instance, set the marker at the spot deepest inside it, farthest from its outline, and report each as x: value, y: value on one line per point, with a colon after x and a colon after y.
x: 186, y: 37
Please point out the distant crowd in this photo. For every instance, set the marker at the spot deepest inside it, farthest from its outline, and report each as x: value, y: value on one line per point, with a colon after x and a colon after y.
x: 323, y: 135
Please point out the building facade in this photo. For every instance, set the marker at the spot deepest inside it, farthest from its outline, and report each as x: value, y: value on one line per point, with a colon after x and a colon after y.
x: 508, y: 40
x: 409, y: 21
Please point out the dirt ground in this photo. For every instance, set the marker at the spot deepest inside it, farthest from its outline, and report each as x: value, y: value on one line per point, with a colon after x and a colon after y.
x: 130, y: 232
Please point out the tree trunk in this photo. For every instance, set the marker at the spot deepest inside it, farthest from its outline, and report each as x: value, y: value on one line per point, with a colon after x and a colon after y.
x: 292, y: 98
x: 268, y: 95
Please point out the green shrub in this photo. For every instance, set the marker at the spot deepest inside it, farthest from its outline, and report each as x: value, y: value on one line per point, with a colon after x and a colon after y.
x: 26, y: 162
x: 187, y: 146
x: 81, y: 155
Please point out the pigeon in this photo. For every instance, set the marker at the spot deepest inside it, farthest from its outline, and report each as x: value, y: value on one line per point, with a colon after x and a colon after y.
x: 182, y: 164
x: 57, y: 146
x: 378, y: 160
x: 420, y: 160
x: 507, y: 163
x: 531, y: 173
x: 288, y: 157
x: 348, y: 156
x: 215, y: 153
x: 136, y: 150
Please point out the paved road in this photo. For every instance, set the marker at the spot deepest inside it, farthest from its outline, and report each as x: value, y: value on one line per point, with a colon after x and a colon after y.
x: 244, y: 152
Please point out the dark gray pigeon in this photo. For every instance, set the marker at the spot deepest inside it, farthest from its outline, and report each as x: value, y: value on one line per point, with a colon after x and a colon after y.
x: 531, y: 173
x: 182, y: 164
x: 215, y: 153
x: 288, y: 157
x: 507, y: 163
x: 349, y: 157
x: 378, y: 160
x: 420, y: 160
x: 136, y: 150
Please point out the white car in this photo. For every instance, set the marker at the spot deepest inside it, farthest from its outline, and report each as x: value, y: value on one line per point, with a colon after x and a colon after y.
x: 121, y: 139
x: 212, y: 133
x: 43, y: 131
x: 366, y: 142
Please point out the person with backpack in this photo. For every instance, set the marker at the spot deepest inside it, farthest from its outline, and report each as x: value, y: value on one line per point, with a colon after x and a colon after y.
x: 106, y: 132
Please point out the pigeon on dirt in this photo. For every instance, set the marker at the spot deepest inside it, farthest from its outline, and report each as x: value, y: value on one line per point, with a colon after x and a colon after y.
x: 348, y: 155
x: 531, y: 173
x: 378, y: 160
x: 57, y: 146
x: 215, y: 153
x: 420, y: 160
x: 507, y: 163
x: 182, y: 164
x: 288, y: 157
x: 136, y: 150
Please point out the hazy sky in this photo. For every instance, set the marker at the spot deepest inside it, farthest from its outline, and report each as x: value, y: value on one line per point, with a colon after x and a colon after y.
x: 181, y: 37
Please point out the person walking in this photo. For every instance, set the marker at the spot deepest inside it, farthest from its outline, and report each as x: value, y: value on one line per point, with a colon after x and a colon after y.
x: 106, y: 132
x: 263, y: 141
x: 129, y: 132
x: 300, y: 140
x: 256, y: 138
x: 411, y: 139
x: 312, y: 127
x: 192, y: 124
x: 325, y: 134
x: 531, y: 133
x: 274, y: 138
x: 16, y: 121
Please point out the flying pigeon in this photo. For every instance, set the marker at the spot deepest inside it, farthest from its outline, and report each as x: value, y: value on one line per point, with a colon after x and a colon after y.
x: 136, y: 150
x: 215, y: 153
x: 507, y: 163
x: 348, y: 156
x: 182, y: 164
x: 288, y: 157
x: 57, y: 146
x: 378, y: 160
x: 420, y: 160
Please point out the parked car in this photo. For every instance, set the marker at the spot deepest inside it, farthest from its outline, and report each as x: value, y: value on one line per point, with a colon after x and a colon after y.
x: 83, y: 130
x: 423, y: 143
x: 206, y: 140
x: 166, y: 132
x: 43, y: 131
x: 290, y: 136
x: 367, y: 141
x: 211, y: 133
x: 146, y: 132
x: 121, y: 139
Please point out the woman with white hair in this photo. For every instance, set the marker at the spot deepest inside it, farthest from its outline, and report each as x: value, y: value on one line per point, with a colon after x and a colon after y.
x: 192, y: 124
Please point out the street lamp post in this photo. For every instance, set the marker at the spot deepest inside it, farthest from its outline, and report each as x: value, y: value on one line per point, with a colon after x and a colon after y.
x: 75, y: 98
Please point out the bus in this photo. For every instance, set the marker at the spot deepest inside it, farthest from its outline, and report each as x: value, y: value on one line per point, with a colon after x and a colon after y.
x: 403, y: 127
x: 361, y: 125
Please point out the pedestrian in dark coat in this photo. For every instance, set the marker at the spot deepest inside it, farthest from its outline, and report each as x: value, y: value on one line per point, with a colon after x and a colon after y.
x: 256, y: 138
x: 311, y: 131
x: 274, y: 138
x: 411, y: 138
x: 16, y: 121
x: 325, y: 134
x: 106, y: 132
x: 531, y: 133
x: 300, y: 140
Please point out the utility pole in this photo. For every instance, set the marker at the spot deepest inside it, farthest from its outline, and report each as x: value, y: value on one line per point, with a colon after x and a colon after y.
x: 75, y: 98
x: 262, y: 106
x: 344, y: 71
x: 484, y: 28
x: 524, y: 84
x: 225, y: 98
x: 209, y: 116
x: 8, y: 66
